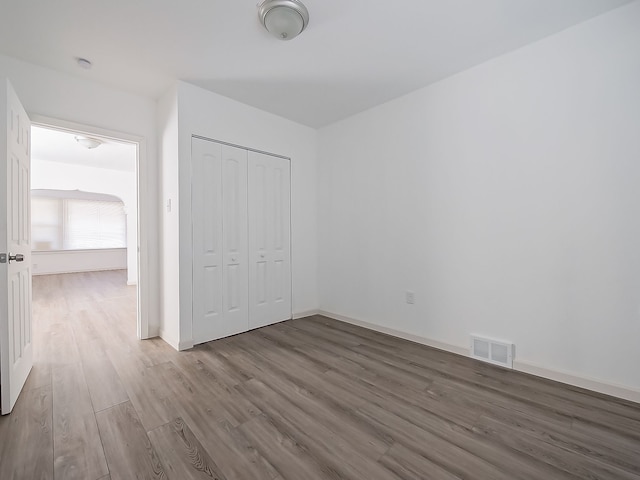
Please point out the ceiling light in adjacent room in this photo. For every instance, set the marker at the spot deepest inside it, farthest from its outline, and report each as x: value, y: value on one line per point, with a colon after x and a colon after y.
x: 88, y: 142
x: 284, y: 19
x: 84, y: 63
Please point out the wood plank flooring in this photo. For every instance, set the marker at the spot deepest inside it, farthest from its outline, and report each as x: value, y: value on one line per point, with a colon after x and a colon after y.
x: 301, y: 400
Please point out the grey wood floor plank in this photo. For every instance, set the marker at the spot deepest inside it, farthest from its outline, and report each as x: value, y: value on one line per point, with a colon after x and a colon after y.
x: 516, y: 463
x: 63, y: 348
x: 5, y: 422
x: 409, y: 465
x: 127, y: 447
x: 227, y: 403
x: 379, y: 393
x: 493, y: 397
x: 275, y: 390
x: 435, y: 448
x: 216, y: 369
x: 147, y: 391
x: 338, y: 399
x: 282, y: 357
x: 524, y: 388
x: 183, y: 457
x: 569, y: 461
x: 356, y: 450
x: 76, y: 440
x: 41, y: 330
x: 257, y: 361
x: 288, y: 455
x: 285, y: 410
x: 105, y: 386
x: 598, y: 446
x: 29, y: 424
x: 212, y: 416
x: 405, y: 359
x: 388, y: 374
x: 232, y: 451
x: 156, y: 350
x: 312, y: 398
x: 616, y: 441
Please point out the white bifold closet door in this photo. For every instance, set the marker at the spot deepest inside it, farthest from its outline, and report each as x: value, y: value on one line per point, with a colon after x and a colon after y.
x: 269, y: 240
x: 220, y: 268
x: 241, y: 240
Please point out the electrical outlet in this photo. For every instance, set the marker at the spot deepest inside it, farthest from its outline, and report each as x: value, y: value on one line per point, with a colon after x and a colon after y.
x: 410, y: 297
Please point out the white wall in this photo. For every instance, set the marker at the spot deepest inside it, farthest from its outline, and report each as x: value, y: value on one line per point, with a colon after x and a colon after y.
x: 201, y: 112
x: 507, y: 197
x: 71, y: 261
x: 170, y: 287
x: 65, y: 176
x: 52, y: 94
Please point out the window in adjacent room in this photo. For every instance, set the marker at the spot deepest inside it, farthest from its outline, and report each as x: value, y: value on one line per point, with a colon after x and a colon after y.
x: 75, y: 220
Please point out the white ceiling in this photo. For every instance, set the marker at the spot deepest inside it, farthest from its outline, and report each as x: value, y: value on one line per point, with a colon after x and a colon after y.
x: 59, y: 146
x: 355, y: 54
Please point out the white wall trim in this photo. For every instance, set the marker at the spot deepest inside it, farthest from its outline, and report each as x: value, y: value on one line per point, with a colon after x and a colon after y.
x: 620, y: 391
x: 144, y: 207
x: 308, y: 313
x: 48, y: 262
x: 185, y: 345
x: 167, y: 338
x: 397, y: 333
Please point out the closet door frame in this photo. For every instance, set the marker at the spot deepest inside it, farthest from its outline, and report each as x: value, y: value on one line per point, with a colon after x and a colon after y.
x: 223, y: 144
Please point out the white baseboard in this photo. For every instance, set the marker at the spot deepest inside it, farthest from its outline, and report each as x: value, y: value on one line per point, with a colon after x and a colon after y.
x: 397, y: 333
x: 308, y: 313
x: 185, y: 345
x: 153, y: 332
x: 620, y: 391
x: 167, y: 338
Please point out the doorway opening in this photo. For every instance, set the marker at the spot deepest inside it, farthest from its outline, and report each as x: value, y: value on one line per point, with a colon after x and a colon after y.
x: 85, y: 213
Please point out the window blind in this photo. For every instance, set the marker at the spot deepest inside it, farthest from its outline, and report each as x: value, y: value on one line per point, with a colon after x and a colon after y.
x: 77, y: 224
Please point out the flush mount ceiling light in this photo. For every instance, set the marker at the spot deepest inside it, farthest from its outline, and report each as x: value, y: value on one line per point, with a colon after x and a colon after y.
x: 284, y: 19
x: 88, y: 142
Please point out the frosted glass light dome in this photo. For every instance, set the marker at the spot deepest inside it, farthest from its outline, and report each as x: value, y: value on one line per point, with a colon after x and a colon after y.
x: 284, y: 19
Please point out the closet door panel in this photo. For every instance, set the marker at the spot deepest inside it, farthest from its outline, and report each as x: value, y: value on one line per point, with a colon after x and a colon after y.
x: 241, y: 240
x: 269, y: 240
x: 281, y: 267
x: 234, y: 224
x: 206, y: 194
x: 258, y: 244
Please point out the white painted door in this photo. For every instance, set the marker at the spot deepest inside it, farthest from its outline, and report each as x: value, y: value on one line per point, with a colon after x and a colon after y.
x: 16, y: 349
x: 219, y: 216
x: 235, y: 277
x: 206, y: 191
x: 269, y: 240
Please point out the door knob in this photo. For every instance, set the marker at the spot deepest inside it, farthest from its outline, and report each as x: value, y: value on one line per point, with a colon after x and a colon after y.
x: 18, y: 257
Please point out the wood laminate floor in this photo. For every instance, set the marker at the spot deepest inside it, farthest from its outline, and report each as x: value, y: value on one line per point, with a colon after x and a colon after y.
x: 301, y: 400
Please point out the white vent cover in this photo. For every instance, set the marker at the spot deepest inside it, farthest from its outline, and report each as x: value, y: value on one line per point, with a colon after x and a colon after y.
x: 492, y: 351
